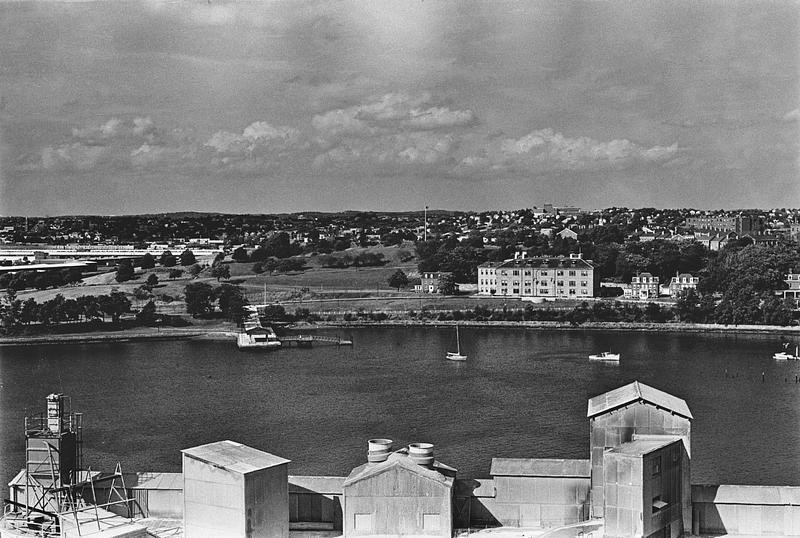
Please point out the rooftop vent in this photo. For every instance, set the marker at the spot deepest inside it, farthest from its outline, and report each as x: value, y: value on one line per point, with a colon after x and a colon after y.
x: 421, y: 453
x: 379, y: 450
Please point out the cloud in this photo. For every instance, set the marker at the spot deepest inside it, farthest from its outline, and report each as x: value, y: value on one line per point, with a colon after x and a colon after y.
x: 259, y: 135
x: 392, y: 151
x: 793, y: 115
x: 115, y: 128
x: 74, y: 156
x: 390, y: 113
x: 544, y: 150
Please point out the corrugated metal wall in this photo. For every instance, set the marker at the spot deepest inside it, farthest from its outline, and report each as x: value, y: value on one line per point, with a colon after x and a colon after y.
x: 750, y: 510
x: 618, y: 426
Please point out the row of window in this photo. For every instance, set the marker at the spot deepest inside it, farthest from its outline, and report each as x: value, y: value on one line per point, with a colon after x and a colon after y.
x: 542, y: 291
x: 529, y: 272
x: 559, y: 283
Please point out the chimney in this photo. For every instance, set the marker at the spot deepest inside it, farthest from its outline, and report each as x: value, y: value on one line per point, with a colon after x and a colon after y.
x: 421, y: 454
x: 379, y: 450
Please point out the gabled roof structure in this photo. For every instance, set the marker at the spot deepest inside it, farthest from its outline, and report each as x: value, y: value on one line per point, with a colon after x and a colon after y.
x: 439, y: 472
x: 637, y: 392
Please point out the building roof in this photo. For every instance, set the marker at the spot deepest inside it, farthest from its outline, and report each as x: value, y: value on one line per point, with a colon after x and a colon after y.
x: 640, y: 447
x: 439, y: 472
x: 636, y: 392
x: 540, y: 467
x: 553, y: 262
x: 234, y: 456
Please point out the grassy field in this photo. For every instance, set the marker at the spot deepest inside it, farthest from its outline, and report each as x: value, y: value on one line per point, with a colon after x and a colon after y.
x: 317, y: 288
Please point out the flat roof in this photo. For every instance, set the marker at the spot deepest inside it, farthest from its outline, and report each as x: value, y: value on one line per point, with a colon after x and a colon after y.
x: 634, y: 392
x: 641, y: 447
x: 234, y: 456
x: 540, y: 467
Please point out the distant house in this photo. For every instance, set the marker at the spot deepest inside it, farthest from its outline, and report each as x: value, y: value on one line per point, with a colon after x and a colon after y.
x: 793, y: 280
x: 682, y: 283
x: 429, y: 281
x: 566, y: 233
x: 644, y: 286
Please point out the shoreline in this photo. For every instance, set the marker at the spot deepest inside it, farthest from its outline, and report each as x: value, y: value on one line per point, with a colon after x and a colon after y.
x: 221, y: 333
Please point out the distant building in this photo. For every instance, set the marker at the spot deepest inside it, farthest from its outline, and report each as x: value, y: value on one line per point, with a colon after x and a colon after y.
x: 556, y: 277
x: 644, y: 286
x: 682, y: 283
x: 429, y: 281
x: 566, y: 233
x: 793, y: 280
x: 740, y: 224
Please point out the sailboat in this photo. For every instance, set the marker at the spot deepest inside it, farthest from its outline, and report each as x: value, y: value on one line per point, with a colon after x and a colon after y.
x: 456, y: 355
x: 784, y: 356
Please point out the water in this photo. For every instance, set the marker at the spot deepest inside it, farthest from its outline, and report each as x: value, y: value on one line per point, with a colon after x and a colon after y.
x: 522, y: 393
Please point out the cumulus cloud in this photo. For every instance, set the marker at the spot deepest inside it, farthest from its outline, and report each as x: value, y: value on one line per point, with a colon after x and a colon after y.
x: 545, y: 149
x: 257, y: 135
x: 415, y: 148
x: 389, y: 113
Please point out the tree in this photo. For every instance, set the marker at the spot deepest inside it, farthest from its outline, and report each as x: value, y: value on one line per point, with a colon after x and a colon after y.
x: 447, y: 284
x: 147, y: 261
x: 152, y: 280
x: 198, y: 297
x: 221, y: 270
x: 194, y: 270
x: 240, y: 255
x: 147, y: 315
x: 398, y: 280
x: 142, y: 292
x: 167, y: 259
x: 175, y: 273
x: 124, y: 271
x: 231, y: 302
x: 187, y: 258
x: 258, y: 268
x: 115, y: 304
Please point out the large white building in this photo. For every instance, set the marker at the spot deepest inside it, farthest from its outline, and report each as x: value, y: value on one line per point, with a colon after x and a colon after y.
x: 554, y: 276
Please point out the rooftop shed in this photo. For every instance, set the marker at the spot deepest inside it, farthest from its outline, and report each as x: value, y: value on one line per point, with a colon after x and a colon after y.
x: 233, y: 490
x: 402, y: 495
x: 615, y: 417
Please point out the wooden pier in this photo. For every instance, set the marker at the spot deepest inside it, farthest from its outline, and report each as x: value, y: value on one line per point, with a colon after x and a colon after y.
x: 307, y: 340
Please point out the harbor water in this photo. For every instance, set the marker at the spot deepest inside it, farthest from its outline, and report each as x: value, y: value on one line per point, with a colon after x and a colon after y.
x: 521, y: 394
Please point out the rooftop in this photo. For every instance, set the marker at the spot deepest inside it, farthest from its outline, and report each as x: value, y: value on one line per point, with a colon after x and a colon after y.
x: 234, y: 456
x: 634, y: 392
x: 539, y: 467
x: 640, y: 447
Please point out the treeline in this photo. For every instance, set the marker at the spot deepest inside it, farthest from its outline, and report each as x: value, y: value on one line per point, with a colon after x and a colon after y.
x: 92, y: 311
x: 361, y: 259
x: 203, y: 300
x: 689, y: 309
x: 39, y: 280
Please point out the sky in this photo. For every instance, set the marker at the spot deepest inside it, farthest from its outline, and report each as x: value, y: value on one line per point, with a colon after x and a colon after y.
x: 121, y: 107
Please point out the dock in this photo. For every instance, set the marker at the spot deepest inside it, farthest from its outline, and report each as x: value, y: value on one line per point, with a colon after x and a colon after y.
x: 307, y: 340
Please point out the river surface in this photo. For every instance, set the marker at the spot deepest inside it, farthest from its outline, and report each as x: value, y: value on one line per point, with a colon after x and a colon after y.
x: 522, y: 394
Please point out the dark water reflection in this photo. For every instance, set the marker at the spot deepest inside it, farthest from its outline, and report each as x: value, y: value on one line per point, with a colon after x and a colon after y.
x: 521, y: 394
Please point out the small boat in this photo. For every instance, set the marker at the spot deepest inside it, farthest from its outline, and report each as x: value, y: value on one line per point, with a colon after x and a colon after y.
x: 256, y: 336
x: 456, y: 355
x: 605, y: 356
x: 784, y: 356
